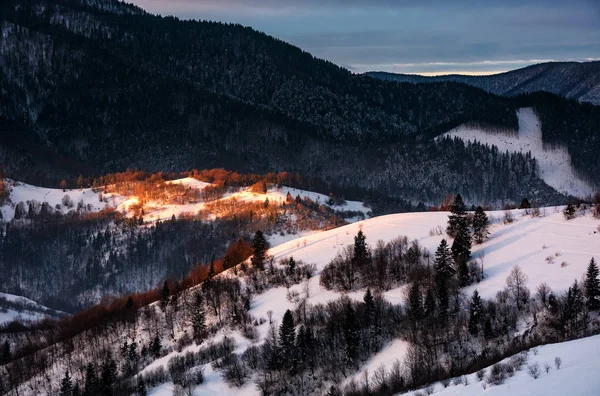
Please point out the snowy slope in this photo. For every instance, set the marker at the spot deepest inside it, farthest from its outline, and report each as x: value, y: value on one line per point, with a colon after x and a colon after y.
x: 526, y: 242
x: 577, y: 376
x: 31, y: 311
x: 21, y: 192
x: 554, y: 163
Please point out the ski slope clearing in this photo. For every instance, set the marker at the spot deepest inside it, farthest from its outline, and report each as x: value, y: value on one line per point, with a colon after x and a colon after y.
x: 22, y: 309
x: 554, y: 163
x: 577, y: 376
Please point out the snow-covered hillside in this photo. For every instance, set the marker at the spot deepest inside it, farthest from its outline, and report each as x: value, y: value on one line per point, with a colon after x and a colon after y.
x: 22, y: 192
x: 95, y: 201
x: 577, y: 375
x: 548, y: 248
x: 22, y: 309
x: 554, y: 163
x: 527, y: 242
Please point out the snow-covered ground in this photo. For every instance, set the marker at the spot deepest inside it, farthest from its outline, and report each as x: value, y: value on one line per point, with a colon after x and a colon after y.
x: 21, y: 192
x: 527, y: 242
x: 554, y: 163
x: 577, y: 376
x: 33, y: 310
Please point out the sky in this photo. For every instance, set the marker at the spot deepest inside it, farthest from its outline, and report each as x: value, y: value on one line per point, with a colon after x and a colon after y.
x: 427, y: 37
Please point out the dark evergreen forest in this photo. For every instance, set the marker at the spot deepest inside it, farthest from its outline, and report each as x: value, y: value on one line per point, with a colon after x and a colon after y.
x: 99, y: 88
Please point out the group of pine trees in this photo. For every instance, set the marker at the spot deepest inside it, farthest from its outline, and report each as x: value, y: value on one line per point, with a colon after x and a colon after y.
x: 464, y: 230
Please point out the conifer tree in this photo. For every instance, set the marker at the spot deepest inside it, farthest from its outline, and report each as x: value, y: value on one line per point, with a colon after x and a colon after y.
x: 475, y: 312
x: 260, y: 247
x: 443, y: 261
x: 525, y: 204
x: 415, y: 304
x: 108, y: 377
x: 66, y: 385
x: 287, y: 340
x: 444, y: 270
x: 198, y: 316
x: 351, y: 334
x: 592, y: 286
x: 360, y: 248
x: 211, y: 269
x: 164, y: 299
x: 291, y: 266
x: 429, y: 304
x: 458, y: 216
x: 301, y: 348
x: 480, y: 225
x: 461, y: 252
x: 369, y: 307
x: 141, y: 387
x: 91, y: 381
x: 156, y: 347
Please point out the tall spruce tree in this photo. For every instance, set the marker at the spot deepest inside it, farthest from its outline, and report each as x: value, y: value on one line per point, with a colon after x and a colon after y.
x: 443, y: 261
x: 475, y: 312
x: 592, y: 286
x: 415, y: 304
x: 287, y: 341
x: 66, y: 385
x: 461, y: 252
x: 481, y: 225
x: 458, y: 216
x: 429, y: 304
x: 91, y: 381
x: 260, y: 246
x: 444, y: 270
x: 198, y: 316
x: 361, y: 252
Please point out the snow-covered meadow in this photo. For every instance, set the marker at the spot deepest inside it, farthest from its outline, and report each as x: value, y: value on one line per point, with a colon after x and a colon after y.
x: 154, y: 211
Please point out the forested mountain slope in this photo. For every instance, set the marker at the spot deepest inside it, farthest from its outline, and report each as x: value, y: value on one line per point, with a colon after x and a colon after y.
x: 574, y: 80
x: 94, y: 89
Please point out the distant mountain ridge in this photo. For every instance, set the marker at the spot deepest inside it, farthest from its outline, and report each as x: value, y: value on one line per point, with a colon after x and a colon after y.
x: 573, y: 80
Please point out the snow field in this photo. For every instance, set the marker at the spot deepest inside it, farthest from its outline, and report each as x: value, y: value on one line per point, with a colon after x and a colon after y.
x: 21, y: 192
x: 577, y: 376
x: 554, y: 163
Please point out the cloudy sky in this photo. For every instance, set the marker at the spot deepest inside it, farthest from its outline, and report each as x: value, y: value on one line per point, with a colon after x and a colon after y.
x: 425, y: 37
